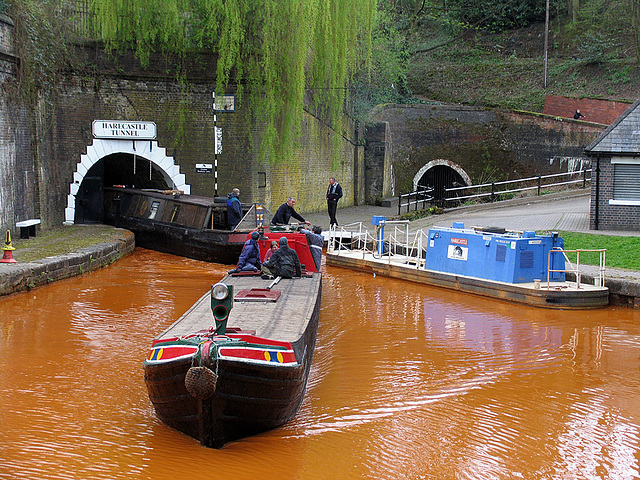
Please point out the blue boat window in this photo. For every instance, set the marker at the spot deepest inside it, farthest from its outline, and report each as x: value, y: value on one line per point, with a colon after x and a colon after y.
x: 501, y: 253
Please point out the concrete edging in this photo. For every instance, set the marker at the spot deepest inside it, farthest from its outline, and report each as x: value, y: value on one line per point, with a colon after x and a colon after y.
x: 17, y: 277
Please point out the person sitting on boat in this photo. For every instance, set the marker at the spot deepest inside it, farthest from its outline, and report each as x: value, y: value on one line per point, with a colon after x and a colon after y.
x: 272, y: 248
x: 284, y: 262
x: 285, y: 212
x: 234, y: 209
x: 249, y: 260
x: 316, y: 242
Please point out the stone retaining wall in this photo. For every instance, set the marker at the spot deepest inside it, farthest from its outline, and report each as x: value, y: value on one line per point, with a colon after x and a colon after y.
x: 17, y: 277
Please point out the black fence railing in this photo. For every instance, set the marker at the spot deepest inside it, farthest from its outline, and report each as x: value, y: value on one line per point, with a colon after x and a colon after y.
x: 423, y: 196
x: 498, y: 190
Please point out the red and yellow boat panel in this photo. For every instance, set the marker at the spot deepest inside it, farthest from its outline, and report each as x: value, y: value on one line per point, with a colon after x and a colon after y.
x: 169, y: 353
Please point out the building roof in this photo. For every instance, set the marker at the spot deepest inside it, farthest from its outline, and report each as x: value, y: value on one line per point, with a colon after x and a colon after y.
x: 622, y: 137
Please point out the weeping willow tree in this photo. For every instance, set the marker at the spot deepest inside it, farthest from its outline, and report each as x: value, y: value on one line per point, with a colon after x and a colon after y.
x: 271, y: 51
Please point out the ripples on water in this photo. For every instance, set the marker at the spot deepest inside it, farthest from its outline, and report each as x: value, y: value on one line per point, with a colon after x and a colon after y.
x: 407, y: 382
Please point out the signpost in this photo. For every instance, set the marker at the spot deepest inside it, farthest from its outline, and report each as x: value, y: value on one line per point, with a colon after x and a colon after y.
x: 227, y: 104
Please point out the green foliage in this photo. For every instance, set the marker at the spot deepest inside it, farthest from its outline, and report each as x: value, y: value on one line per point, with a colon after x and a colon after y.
x: 386, y: 80
x: 622, y: 252
x: 270, y: 50
x: 499, y: 15
x: 41, y: 39
x: 594, y: 48
x: 4, y: 6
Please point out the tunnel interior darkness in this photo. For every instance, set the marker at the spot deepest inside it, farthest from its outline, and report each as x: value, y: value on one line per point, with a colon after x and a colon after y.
x: 130, y: 170
x: 441, y: 177
x: 116, y: 169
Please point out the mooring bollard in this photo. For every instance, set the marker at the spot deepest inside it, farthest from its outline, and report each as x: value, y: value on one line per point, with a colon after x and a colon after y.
x: 8, y: 250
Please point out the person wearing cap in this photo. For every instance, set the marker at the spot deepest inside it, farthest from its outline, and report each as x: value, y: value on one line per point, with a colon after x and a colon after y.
x: 249, y: 260
x: 285, y: 212
x: 234, y: 209
x: 316, y: 242
x: 284, y: 262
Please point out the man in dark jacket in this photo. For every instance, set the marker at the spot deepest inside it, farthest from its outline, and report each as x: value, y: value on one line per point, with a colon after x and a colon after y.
x: 249, y: 260
x: 285, y: 212
x: 284, y: 262
x: 334, y: 193
x: 234, y: 209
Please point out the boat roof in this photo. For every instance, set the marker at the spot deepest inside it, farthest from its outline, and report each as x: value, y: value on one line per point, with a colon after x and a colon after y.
x: 284, y: 320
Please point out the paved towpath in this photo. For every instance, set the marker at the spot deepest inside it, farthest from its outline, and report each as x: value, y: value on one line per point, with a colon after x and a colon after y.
x: 568, y: 212
x: 555, y: 212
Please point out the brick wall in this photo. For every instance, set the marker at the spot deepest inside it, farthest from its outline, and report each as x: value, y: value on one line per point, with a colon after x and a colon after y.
x: 594, y: 110
x: 18, y: 182
x: 610, y: 217
x: 489, y: 145
x: 305, y: 175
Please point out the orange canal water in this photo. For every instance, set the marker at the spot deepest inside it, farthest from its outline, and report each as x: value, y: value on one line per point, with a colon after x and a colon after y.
x: 408, y: 382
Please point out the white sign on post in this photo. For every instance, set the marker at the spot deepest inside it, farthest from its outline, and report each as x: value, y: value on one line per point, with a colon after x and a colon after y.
x: 124, y: 129
x: 218, y: 139
x: 226, y: 103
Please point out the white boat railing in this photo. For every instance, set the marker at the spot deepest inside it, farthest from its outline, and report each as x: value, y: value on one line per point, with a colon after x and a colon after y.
x: 409, y: 248
x: 396, y: 241
x: 598, y: 280
x: 355, y: 235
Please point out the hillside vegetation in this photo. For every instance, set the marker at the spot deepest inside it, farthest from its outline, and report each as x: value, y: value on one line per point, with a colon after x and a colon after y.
x: 591, y: 54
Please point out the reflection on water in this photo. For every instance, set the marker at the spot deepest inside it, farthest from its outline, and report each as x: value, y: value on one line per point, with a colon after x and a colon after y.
x: 407, y: 382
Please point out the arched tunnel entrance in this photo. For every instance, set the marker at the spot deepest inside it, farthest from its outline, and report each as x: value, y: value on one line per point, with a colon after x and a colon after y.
x: 116, y: 169
x: 440, y: 175
x: 143, y: 164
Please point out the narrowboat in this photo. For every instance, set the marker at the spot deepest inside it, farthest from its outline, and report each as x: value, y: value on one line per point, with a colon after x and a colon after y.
x: 186, y: 225
x: 514, y: 266
x: 237, y: 362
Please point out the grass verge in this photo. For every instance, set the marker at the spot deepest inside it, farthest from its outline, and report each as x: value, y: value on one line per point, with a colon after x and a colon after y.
x: 622, y: 252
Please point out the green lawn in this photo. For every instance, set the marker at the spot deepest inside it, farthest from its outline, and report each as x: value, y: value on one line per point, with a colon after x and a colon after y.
x: 622, y: 252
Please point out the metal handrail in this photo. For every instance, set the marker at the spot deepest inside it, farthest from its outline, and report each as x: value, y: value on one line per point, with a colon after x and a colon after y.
x: 418, y: 196
x: 538, y: 187
x: 598, y: 281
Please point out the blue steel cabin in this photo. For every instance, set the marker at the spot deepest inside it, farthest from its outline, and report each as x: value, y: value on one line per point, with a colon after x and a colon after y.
x: 505, y: 257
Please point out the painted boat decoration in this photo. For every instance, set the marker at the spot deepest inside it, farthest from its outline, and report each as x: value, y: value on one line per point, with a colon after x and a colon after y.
x: 514, y: 266
x: 186, y: 225
x: 237, y: 362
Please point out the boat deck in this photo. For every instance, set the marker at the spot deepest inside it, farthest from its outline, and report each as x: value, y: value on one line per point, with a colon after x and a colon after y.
x: 285, y: 319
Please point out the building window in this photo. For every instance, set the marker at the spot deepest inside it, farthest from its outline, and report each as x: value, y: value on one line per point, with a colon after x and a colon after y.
x: 626, y: 181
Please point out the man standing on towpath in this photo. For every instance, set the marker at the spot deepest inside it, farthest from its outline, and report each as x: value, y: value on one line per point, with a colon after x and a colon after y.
x: 334, y: 193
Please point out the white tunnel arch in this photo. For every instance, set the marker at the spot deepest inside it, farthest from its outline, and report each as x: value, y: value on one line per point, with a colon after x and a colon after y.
x: 101, y: 148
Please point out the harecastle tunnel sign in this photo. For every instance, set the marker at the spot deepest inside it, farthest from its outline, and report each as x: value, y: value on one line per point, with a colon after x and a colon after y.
x: 124, y: 130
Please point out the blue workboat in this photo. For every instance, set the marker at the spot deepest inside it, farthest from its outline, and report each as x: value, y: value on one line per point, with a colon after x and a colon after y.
x: 515, y: 266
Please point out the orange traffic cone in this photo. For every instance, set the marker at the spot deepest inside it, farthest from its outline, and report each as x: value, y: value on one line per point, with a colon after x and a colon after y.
x: 8, y: 250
